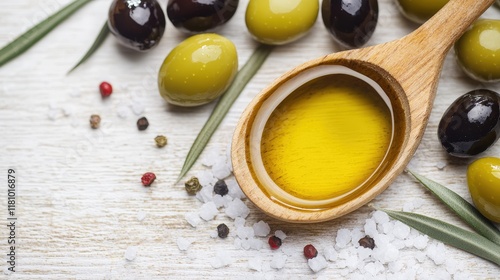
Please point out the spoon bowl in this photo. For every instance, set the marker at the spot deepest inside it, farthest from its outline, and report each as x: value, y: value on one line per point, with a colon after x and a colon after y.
x: 404, y: 72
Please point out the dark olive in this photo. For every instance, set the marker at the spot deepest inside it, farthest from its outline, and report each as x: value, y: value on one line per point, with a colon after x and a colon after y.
x: 471, y: 124
x: 196, y: 16
x: 137, y: 24
x: 351, y: 22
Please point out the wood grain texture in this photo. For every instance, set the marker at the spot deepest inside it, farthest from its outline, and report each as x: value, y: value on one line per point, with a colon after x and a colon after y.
x: 79, y: 190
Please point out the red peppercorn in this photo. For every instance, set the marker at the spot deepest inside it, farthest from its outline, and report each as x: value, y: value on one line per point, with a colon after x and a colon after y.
x: 310, y: 252
x: 274, y: 242
x: 106, y: 89
x: 148, y: 178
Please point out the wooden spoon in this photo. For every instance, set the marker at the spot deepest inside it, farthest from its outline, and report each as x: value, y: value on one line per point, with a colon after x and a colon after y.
x: 407, y: 70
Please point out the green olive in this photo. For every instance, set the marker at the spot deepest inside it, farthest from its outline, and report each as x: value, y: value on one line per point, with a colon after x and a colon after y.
x: 483, y: 178
x: 278, y: 22
x: 478, y: 51
x: 198, y: 70
x: 420, y: 11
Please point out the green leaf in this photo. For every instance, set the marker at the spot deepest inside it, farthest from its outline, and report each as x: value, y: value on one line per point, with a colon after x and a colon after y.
x: 464, y: 209
x: 452, y: 235
x: 97, y: 43
x: 30, y: 37
x: 242, y: 78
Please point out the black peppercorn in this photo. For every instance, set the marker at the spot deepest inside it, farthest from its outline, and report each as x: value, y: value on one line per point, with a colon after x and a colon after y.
x: 220, y: 188
x: 367, y: 242
x: 142, y: 123
x: 222, y: 230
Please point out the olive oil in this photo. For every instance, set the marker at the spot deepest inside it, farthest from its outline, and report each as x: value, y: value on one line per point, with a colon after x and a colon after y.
x: 326, y: 138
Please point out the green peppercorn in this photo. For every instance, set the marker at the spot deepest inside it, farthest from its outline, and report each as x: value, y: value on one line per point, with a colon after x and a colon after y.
x: 161, y: 141
x: 193, y: 186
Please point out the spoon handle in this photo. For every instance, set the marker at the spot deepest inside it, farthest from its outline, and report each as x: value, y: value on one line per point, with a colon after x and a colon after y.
x: 446, y: 27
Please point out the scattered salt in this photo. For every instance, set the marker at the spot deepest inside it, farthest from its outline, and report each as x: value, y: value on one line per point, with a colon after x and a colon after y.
x: 239, y: 222
x: 280, y: 234
x: 192, y: 218
x: 219, y: 201
x: 137, y: 107
x: 141, y: 216
x: 256, y: 244
x: 220, y: 168
x: 374, y: 268
x: 343, y: 238
x: 401, y: 230
x: 131, y: 253
x: 245, y: 232
x: 421, y: 242
x: 237, y: 208
x: 255, y: 264
x: 437, y: 253
x: 206, y: 194
x: 278, y: 261
x: 364, y: 253
x: 221, y: 259
x: 208, y: 211
x: 209, y: 157
x: 234, y: 189
x: 214, y: 233
x: 370, y: 227
x: 380, y: 217
x: 356, y: 235
x: 122, y: 111
x: 330, y: 253
x: 261, y: 229
x: 183, y: 243
x: 408, y: 206
x: 441, y: 165
x: 317, y: 264
x: 206, y: 178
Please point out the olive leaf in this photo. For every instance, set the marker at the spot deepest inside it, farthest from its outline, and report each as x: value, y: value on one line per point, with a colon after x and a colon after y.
x: 30, y: 37
x: 452, y: 235
x: 97, y: 43
x: 224, y: 104
x: 467, y: 212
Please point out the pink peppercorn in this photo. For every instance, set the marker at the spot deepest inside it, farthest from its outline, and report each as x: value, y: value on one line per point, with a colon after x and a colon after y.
x: 310, y: 252
x: 274, y: 242
x: 106, y: 89
x: 148, y: 178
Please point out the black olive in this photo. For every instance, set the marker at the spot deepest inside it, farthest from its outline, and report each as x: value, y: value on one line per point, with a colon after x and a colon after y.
x: 196, y: 16
x: 138, y: 24
x: 471, y: 124
x: 351, y: 22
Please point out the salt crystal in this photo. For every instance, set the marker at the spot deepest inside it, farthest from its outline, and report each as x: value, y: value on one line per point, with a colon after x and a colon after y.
x: 352, y: 262
x: 255, y: 264
x: 206, y: 178
x: 237, y: 208
x: 356, y: 235
x: 420, y: 256
x: 239, y: 222
x: 398, y: 244
x: 209, y: 157
x: 344, y: 272
x: 370, y: 228
x: 408, y: 206
x: 387, y: 227
x: 280, y: 234
x: 343, y: 238
x: 137, y: 107
x: 245, y: 232
x: 330, y: 253
x: 234, y: 189
x: 206, y: 194
x: 256, y: 244
x: 131, y: 253
x: 421, y: 242
x: 380, y: 217
x: 237, y: 243
x: 214, y: 234
x: 278, y: 261
x: 451, y: 266
x: 401, y: 230
x: 317, y: 264
x: 441, y: 165
x: 245, y: 244
x: 141, y: 216
x: 261, y: 229
x: 418, y: 202
x: 437, y: 253
x: 221, y: 259
x: 219, y: 201
x: 374, y: 268
x: 122, y: 111
x: 391, y: 254
x: 208, y: 211
x: 381, y: 240
x: 220, y: 168
x: 192, y: 218
x: 364, y: 253
x: 183, y: 243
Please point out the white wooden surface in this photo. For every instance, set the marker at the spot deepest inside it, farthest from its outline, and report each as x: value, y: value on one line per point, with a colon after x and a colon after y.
x: 79, y: 191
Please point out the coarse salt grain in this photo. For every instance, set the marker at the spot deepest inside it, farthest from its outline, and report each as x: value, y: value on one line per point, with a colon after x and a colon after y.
x: 421, y: 242
x: 245, y: 232
x: 261, y: 229
x: 280, y: 234
x: 237, y: 208
x: 220, y: 169
x: 401, y: 230
x: 131, y: 253
x: 370, y: 227
x: 255, y: 264
x: 206, y: 194
x: 234, y: 189
x: 208, y: 211
x: 221, y: 259
x: 380, y: 217
x: 256, y: 244
x: 330, y: 253
x: 318, y: 263
x: 437, y: 253
x: 278, y: 261
x: 193, y: 218
x: 183, y: 243
x: 343, y: 238
x: 209, y: 157
x: 141, y: 216
x: 137, y: 107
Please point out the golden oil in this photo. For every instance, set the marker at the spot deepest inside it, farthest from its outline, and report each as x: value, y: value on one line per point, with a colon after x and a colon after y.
x: 326, y: 138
